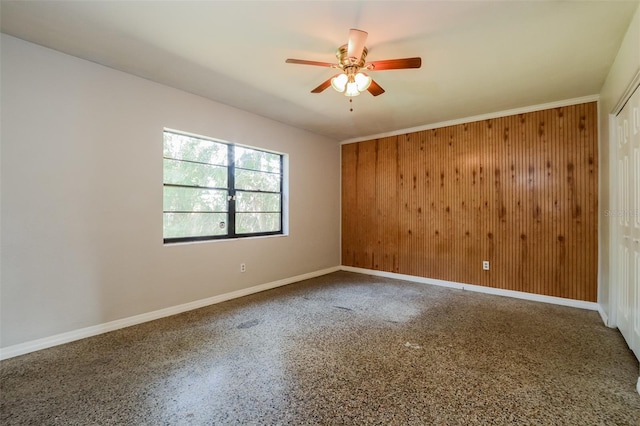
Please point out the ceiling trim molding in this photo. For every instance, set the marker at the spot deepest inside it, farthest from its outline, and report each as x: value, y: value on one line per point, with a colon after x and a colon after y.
x: 631, y: 88
x: 515, y: 111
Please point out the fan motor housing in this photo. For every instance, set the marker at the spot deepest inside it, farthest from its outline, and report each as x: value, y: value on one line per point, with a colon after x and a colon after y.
x: 345, y: 62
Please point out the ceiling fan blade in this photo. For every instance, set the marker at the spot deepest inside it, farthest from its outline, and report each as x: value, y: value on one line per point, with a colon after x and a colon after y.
x: 395, y: 64
x: 322, y: 86
x: 374, y: 88
x: 304, y: 62
x: 357, y: 39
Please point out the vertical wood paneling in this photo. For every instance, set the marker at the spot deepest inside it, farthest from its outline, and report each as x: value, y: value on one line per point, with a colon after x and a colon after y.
x: 386, y: 253
x: 349, y: 207
x: 486, y: 228
x: 592, y: 204
x: 571, y: 201
x: 562, y: 133
x: 519, y: 191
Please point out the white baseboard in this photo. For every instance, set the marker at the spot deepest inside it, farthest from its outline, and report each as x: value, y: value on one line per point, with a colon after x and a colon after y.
x: 480, y: 289
x: 70, y: 336
x: 605, y: 317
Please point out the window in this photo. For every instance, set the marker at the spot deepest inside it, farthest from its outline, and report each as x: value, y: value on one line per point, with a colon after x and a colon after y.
x: 218, y: 190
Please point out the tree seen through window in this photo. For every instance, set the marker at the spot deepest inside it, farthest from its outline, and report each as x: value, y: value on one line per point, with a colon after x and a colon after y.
x: 217, y: 190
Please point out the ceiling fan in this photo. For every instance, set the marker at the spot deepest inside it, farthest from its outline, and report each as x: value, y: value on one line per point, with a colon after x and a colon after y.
x: 351, y: 62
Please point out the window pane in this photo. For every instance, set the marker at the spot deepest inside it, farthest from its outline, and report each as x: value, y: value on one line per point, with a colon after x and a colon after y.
x: 180, y: 225
x: 183, y: 173
x: 257, y: 181
x: 249, y: 223
x: 248, y: 158
x: 194, y: 199
x: 198, y: 182
x: 183, y: 147
x: 257, y: 202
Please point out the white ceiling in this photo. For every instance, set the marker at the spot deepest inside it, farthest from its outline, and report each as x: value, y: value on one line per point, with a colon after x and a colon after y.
x: 478, y: 57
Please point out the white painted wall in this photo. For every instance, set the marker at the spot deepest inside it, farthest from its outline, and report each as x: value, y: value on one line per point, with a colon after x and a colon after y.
x: 624, y: 68
x: 81, y: 206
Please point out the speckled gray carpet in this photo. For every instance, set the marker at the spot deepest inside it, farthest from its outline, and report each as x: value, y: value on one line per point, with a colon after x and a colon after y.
x: 335, y: 350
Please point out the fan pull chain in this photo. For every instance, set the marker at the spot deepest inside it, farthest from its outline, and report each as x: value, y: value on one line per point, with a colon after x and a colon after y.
x: 351, y: 104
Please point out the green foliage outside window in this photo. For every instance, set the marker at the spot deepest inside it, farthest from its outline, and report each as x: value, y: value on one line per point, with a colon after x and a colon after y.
x: 218, y: 190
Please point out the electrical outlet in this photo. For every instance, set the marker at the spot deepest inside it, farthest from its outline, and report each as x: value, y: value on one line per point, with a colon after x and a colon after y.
x: 485, y: 265
x: 243, y: 267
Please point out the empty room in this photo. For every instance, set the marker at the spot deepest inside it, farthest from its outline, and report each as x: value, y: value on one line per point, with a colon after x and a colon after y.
x: 327, y: 212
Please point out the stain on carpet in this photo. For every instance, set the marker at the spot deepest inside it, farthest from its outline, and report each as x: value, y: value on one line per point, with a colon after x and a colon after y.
x: 249, y: 324
x: 342, y: 307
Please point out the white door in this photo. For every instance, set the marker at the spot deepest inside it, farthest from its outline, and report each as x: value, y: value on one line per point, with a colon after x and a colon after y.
x: 626, y: 229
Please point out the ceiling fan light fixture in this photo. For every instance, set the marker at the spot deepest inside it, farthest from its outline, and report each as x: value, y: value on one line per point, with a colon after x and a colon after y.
x: 339, y: 82
x: 351, y: 61
x: 363, y: 81
x: 352, y: 89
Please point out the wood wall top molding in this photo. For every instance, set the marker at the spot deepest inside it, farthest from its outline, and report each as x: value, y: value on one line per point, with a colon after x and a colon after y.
x: 481, y: 117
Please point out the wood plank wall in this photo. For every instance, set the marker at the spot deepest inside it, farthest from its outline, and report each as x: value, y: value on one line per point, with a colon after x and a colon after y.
x: 519, y: 191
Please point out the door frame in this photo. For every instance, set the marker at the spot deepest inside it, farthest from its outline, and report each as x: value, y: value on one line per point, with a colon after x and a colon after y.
x: 612, y: 318
x: 614, y: 237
